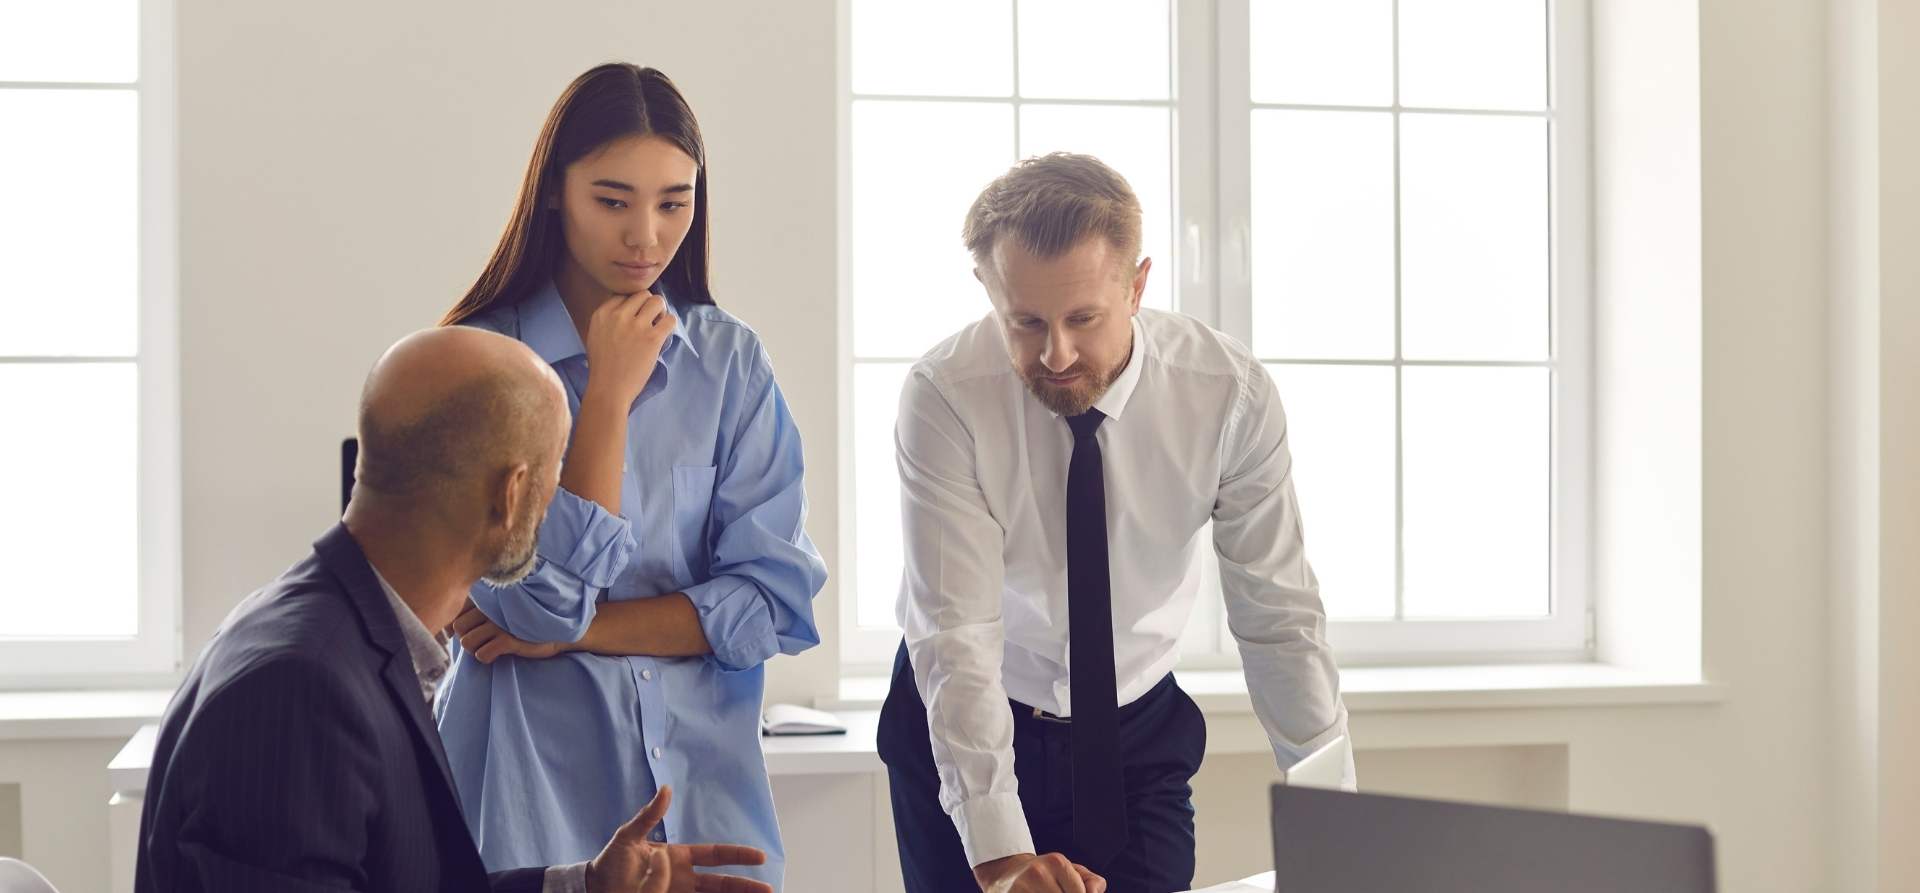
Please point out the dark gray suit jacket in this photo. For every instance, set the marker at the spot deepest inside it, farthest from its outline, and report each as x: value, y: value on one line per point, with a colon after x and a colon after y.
x: 298, y: 755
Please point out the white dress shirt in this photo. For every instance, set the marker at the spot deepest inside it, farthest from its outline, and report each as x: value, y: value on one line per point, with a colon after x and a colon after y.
x: 1194, y: 433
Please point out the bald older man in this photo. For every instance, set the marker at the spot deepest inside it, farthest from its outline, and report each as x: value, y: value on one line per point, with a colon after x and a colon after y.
x: 299, y: 754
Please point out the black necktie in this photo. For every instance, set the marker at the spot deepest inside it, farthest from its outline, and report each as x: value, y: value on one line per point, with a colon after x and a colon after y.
x: 1099, y: 794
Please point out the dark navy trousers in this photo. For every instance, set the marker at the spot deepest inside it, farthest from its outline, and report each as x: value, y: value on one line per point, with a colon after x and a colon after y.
x: 1162, y: 738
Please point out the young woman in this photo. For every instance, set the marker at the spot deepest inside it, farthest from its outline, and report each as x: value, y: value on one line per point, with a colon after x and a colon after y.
x: 673, y: 562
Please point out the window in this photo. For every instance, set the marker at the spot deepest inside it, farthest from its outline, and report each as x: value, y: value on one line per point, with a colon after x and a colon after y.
x: 89, y: 516
x: 1384, y: 198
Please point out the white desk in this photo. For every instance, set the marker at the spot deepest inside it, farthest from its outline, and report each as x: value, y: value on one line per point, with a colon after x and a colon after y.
x: 790, y: 755
x: 827, y: 754
x: 1259, y: 883
x: 127, y: 772
x: 851, y: 753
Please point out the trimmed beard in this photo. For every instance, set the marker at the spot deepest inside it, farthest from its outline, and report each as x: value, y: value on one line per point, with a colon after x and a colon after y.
x: 1073, y: 399
x: 517, y: 557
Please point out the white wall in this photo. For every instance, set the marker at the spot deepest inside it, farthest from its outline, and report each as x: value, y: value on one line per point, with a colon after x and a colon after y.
x: 1854, y: 498
x: 346, y: 166
x: 1875, y: 499
x: 1764, y: 549
x: 1898, y: 817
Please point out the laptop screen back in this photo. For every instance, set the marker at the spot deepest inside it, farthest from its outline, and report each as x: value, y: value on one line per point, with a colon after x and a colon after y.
x: 1339, y: 842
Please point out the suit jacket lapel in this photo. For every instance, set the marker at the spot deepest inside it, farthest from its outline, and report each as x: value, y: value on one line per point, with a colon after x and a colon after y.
x: 342, y: 556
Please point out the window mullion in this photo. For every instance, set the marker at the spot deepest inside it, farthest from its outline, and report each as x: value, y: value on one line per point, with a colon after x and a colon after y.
x: 1233, y: 169
x: 1399, y: 359
x: 1217, y: 163
x: 1196, y: 189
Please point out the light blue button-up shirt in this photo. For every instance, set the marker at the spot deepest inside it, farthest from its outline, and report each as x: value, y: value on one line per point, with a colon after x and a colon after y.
x: 551, y: 756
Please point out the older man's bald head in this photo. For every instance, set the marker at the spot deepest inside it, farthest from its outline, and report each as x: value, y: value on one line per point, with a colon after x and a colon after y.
x: 446, y: 409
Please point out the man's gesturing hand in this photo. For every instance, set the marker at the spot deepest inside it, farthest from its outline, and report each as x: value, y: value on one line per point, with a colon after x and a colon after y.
x: 631, y: 862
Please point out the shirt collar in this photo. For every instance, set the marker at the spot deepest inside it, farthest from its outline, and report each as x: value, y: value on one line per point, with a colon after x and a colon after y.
x: 1115, y: 399
x: 428, y: 651
x: 546, y: 326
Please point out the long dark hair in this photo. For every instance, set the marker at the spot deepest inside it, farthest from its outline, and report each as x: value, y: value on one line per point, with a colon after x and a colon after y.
x: 609, y: 102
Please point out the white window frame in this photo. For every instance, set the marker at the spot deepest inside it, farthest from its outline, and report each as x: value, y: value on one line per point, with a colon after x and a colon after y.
x: 1212, y: 271
x: 153, y: 652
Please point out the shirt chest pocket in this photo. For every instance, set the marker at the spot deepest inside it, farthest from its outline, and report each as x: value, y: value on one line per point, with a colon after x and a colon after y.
x: 692, y: 513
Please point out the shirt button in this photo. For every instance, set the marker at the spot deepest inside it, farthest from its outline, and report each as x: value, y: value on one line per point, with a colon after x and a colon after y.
x: 647, y: 675
x: 658, y: 753
x: 659, y: 835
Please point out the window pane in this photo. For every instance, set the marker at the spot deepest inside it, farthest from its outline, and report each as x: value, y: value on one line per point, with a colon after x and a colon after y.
x: 86, y: 41
x: 68, y: 222
x: 1323, y: 234
x: 1137, y: 142
x: 876, y: 485
x: 912, y: 277
x: 1340, y: 429
x: 70, y: 500
x: 1477, y: 506
x: 932, y: 49
x: 1080, y: 49
x: 1322, y: 53
x: 1474, y: 240
x: 1473, y: 54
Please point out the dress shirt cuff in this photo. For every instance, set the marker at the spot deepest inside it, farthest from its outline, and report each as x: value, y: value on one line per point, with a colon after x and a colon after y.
x: 737, y: 623
x: 992, y: 827
x: 565, y: 879
x: 1286, y: 753
x: 584, y: 539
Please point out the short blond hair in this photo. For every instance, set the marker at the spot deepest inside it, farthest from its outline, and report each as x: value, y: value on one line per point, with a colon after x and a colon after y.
x: 1049, y: 203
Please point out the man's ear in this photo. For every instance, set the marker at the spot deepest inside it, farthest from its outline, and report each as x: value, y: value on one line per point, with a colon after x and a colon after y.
x: 514, y: 490
x: 980, y: 275
x: 1139, y: 285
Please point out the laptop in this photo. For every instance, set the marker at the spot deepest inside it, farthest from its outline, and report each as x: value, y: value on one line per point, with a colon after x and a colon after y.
x: 1330, y: 841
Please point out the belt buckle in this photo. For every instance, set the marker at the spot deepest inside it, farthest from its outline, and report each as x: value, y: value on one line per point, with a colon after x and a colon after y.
x: 1044, y: 716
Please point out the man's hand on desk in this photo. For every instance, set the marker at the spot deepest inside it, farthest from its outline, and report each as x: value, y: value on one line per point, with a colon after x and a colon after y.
x: 487, y: 642
x: 1028, y: 873
x: 631, y: 862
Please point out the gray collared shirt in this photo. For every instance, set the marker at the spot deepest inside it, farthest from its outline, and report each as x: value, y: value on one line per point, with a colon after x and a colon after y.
x: 428, y: 649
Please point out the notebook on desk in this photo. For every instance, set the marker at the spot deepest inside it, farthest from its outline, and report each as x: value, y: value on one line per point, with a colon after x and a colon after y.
x: 793, y: 719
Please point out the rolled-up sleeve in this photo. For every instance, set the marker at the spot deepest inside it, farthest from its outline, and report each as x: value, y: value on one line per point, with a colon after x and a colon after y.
x: 582, y: 548
x: 1272, y: 597
x: 758, y: 599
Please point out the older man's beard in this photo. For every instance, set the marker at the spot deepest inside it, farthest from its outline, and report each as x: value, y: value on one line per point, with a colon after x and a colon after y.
x: 1073, y: 399
x: 517, y: 558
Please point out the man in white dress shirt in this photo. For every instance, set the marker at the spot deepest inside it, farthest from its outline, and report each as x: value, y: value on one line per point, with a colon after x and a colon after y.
x: 1059, y: 463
